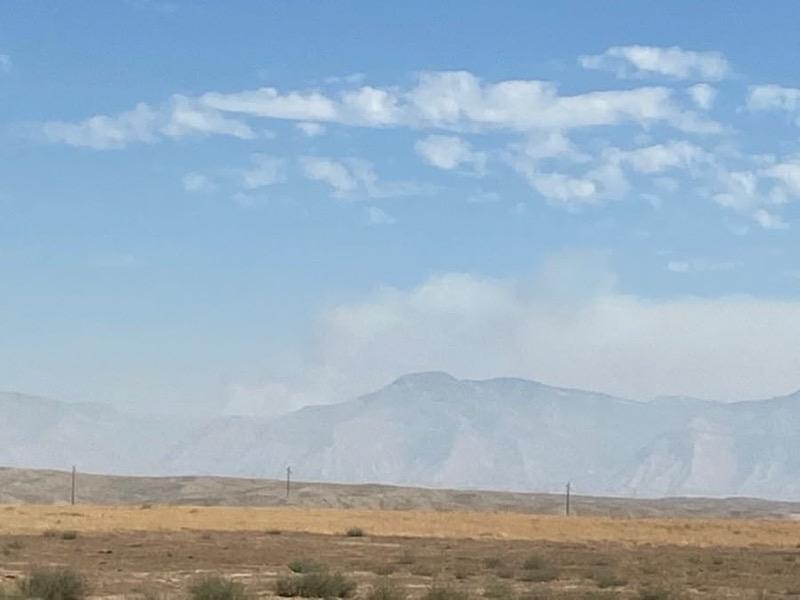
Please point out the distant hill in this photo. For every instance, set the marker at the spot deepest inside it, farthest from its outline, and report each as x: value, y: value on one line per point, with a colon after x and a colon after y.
x: 434, y: 430
x: 53, y: 487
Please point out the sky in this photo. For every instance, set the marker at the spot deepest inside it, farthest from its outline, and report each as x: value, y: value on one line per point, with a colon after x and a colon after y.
x: 250, y: 206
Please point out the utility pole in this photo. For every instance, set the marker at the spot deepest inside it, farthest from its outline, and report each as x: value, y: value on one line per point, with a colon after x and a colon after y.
x: 288, y: 481
x: 72, y: 493
x: 569, y: 489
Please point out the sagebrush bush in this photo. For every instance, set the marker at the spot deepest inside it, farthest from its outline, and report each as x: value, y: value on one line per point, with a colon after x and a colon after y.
x: 534, y: 561
x: 387, y: 590
x: 54, y: 583
x: 303, y: 565
x: 605, y: 578
x: 498, y: 590
x: 217, y: 588
x: 540, y: 575
x: 355, y: 532
x: 316, y: 585
x: 444, y: 592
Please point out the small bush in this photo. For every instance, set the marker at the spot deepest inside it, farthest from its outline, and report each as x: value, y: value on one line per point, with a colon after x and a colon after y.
x: 406, y: 559
x: 492, y: 562
x: 656, y: 593
x: 383, y: 569
x: 463, y: 572
x: 498, y: 590
x: 444, y: 592
x: 306, y: 566
x: 608, y: 579
x: 217, y: 588
x: 355, y: 532
x: 316, y: 585
x: 540, y: 575
x: 534, y: 561
x: 422, y: 570
x: 386, y: 590
x: 60, y: 583
x: 7, y: 594
x: 69, y: 535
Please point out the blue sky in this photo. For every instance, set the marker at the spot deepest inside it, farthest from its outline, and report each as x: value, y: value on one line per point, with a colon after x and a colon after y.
x: 257, y: 205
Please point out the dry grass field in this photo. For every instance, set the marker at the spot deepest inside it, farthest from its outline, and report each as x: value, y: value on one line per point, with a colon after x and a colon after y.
x: 158, y: 551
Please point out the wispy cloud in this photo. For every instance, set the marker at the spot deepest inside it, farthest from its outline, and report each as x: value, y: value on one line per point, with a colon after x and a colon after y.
x: 673, y: 62
x: 450, y: 152
x: 354, y: 178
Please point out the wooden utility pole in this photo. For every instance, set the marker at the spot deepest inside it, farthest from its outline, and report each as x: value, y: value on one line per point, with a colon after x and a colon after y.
x: 288, y: 481
x: 72, y: 492
x: 569, y: 489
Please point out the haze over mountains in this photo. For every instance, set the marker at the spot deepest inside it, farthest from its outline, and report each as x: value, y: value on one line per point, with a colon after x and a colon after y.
x: 434, y: 430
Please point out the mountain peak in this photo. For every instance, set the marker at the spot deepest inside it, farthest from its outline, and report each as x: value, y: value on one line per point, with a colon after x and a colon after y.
x: 426, y: 379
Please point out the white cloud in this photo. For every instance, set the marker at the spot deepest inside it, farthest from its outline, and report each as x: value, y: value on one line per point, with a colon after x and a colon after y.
x: 310, y: 129
x: 604, y: 182
x: 269, y: 102
x: 197, y: 183
x: 450, y: 100
x: 660, y: 157
x: 266, y: 170
x: 788, y: 174
x: 699, y: 265
x: 377, y: 216
x: 188, y: 117
x: 774, y: 97
x: 181, y: 117
x: 450, y: 152
x: 674, y: 62
x: 353, y: 177
x: 6, y: 63
x: 769, y: 220
x: 331, y: 172
x: 569, y: 326
x: 703, y: 95
x: 103, y: 132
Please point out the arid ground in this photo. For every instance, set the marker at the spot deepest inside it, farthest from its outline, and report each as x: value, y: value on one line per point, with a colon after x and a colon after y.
x: 157, y: 551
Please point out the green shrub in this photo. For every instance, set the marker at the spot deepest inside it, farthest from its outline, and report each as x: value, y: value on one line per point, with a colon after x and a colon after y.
x: 306, y: 566
x: 69, y: 535
x: 60, y: 583
x: 444, y: 592
x: 217, y: 588
x: 608, y: 579
x: 498, y: 590
x: 383, y: 569
x: 355, y: 532
x: 656, y: 593
x: 540, y: 575
x: 316, y: 585
x: 534, y: 561
x: 386, y: 590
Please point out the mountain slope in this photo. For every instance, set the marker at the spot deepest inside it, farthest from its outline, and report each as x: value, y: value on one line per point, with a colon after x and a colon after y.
x: 434, y: 430
x: 43, y: 433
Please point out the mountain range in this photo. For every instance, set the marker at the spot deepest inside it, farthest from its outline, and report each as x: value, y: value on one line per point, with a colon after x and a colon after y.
x: 431, y: 429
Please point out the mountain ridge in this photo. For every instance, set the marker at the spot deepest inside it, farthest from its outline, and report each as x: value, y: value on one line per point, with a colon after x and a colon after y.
x: 433, y: 429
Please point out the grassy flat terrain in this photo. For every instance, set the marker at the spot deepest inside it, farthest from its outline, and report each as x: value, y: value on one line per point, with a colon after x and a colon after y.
x: 158, y: 551
x: 29, y: 519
